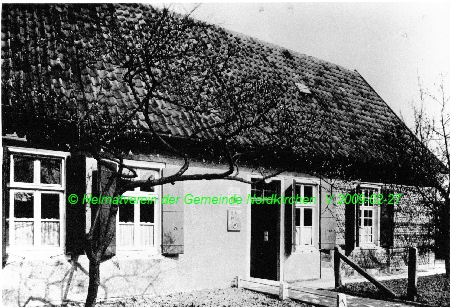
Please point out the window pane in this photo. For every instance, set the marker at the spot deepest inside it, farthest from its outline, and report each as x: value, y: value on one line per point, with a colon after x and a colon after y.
x: 370, y: 196
x: 297, y: 216
x: 50, y: 233
x: 126, y: 212
x: 24, y: 233
x: 23, y: 169
x: 368, y: 222
x: 23, y: 205
x: 308, y: 191
x: 261, y: 189
x: 307, y: 217
x: 51, y: 171
x: 272, y: 188
x: 50, y: 206
x: 372, y: 199
x: 257, y: 187
x: 145, y: 174
x: 366, y: 197
x: 147, y: 211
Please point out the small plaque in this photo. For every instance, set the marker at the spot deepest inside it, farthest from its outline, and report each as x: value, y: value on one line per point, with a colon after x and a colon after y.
x: 234, y: 220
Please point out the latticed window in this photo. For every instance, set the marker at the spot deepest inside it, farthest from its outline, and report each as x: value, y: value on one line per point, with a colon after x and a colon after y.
x: 305, y: 195
x: 34, y: 215
x: 368, y: 216
x: 137, y: 215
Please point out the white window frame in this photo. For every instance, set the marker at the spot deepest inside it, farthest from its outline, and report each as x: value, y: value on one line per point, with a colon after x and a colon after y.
x: 375, y: 209
x: 313, y: 206
x: 37, y: 189
x: 157, y: 224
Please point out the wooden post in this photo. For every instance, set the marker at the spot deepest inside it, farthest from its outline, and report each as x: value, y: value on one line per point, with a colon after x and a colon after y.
x: 283, y: 290
x: 341, y: 300
x: 337, y: 268
x: 238, y: 282
x: 388, y: 260
x: 412, y: 274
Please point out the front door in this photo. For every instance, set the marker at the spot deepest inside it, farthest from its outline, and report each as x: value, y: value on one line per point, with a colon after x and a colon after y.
x: 265, y: 232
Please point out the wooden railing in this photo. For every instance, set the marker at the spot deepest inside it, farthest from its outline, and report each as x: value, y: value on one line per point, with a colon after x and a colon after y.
x: 338, y: 255
x: 412, y: 273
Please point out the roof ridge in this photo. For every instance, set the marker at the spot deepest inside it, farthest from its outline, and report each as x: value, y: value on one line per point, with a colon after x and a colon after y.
x: 257, y: 40
x: 281, y: 48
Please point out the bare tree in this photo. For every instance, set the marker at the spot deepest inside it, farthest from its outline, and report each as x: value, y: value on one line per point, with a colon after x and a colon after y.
x: 433, y: 131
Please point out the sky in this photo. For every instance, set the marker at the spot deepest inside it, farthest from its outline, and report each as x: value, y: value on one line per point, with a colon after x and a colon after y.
x: 390, y: 44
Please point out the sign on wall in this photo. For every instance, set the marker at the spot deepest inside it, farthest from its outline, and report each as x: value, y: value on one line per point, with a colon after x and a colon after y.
x: 234, y: 219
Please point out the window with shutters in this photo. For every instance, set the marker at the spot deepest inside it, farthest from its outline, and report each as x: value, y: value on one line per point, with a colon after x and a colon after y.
x: 35, y: 213
x: 369, y: 216
x: 139, y: 214
x: 305, y: 212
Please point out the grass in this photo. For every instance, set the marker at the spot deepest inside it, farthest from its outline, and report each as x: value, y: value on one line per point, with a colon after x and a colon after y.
x: 432, y: 290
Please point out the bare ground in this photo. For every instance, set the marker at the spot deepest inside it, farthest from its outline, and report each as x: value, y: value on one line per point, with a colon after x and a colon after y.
x: 205, y: 298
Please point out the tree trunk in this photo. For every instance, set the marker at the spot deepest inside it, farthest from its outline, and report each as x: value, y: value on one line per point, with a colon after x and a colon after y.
x: 446, y: 234
x: 94, y: 282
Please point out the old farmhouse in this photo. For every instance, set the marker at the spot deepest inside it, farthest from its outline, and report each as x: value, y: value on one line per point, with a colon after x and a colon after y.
x: 75, y: 83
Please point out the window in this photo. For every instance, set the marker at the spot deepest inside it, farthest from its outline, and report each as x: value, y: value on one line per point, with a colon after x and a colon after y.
x: 305, y: 201
x: 138, y: 215
x: 305, y: 194
x: 34, y: 217
x: 368, y: 216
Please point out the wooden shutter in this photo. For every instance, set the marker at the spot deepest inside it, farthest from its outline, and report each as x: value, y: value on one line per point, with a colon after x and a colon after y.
x: 173, y: 229
x: 289, y: 224
x: 172, y: 241
x: 350, y: 226
x: 5, y: 202
x: 106, y: 186
x: 75, y: 213
x: 386, y: 220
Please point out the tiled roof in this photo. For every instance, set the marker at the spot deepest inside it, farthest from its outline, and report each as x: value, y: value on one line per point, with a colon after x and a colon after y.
x: 357, y: 117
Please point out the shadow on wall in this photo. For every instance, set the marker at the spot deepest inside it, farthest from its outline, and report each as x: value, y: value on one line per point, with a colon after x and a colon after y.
x: 56, y: 281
